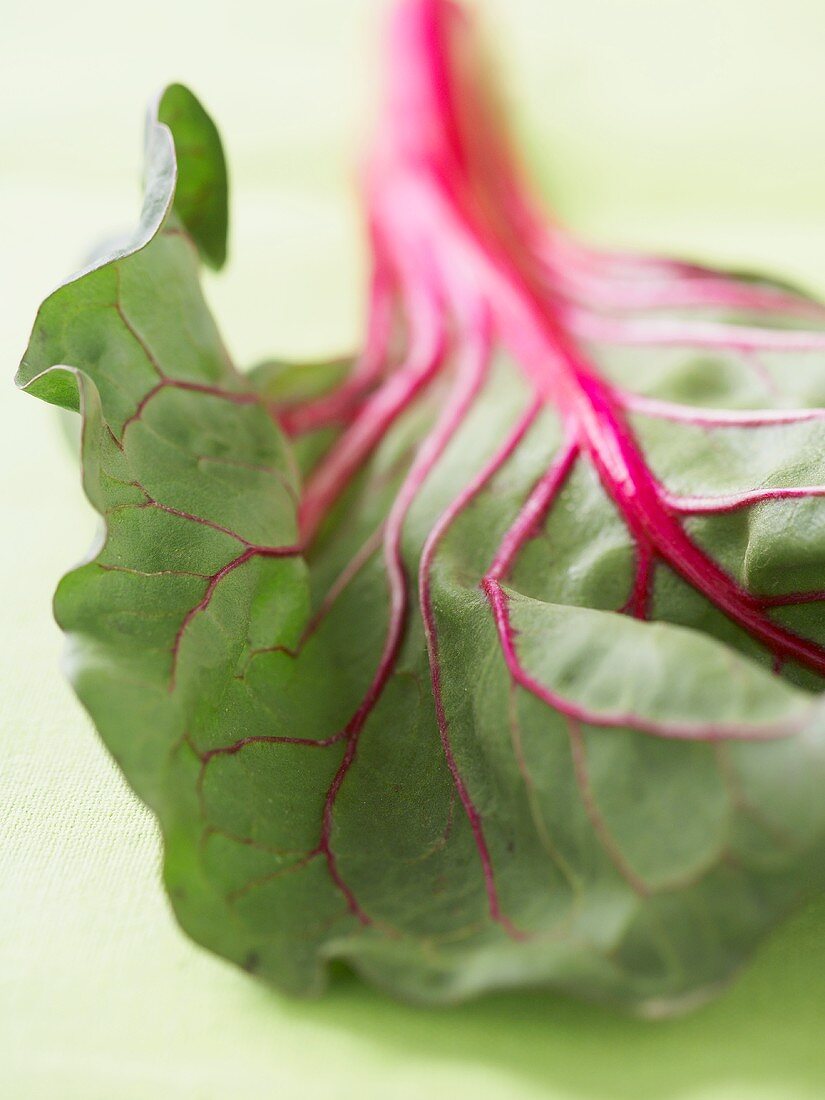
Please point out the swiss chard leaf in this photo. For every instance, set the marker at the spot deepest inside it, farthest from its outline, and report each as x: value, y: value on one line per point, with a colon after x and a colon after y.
x: 494, y: 657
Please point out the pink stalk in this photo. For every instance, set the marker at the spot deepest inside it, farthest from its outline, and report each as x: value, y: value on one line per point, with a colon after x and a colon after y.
x: 614, y: 280
x: 465, y: 229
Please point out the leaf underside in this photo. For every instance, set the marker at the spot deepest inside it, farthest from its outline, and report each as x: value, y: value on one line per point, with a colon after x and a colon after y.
x: 492, y: 658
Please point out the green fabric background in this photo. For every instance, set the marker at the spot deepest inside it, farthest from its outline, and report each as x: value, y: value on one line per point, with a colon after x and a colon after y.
x: 696, y: 126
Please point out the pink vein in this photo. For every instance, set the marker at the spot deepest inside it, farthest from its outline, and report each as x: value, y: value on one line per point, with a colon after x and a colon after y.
x: 536, y: 507
x: 212, y: 585
x: 731, y: 502
x: 680, y: 293
x: 638, y: 603
x: 608, y: 842
x: 715, y: 418
x: 469, y: 379
x: 677, y: 333
x: 459, y: 218
x: 337, y: 406
x: 788, y: 599
x: 434, y: 539
x: 152, y: 503
x: 534, y: 511
x: 207, y: 755
x: 334, y: 473
x: 235, y: 397
x: 625, y: 474
x: 339, y: 585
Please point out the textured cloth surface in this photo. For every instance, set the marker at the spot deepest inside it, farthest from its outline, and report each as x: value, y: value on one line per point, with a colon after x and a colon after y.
x: 698, y: 125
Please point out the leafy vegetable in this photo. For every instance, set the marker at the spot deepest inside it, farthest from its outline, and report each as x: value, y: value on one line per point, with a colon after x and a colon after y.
x: 494, y: 657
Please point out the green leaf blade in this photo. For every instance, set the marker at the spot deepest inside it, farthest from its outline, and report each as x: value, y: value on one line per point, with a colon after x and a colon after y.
x: 522, y: 704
